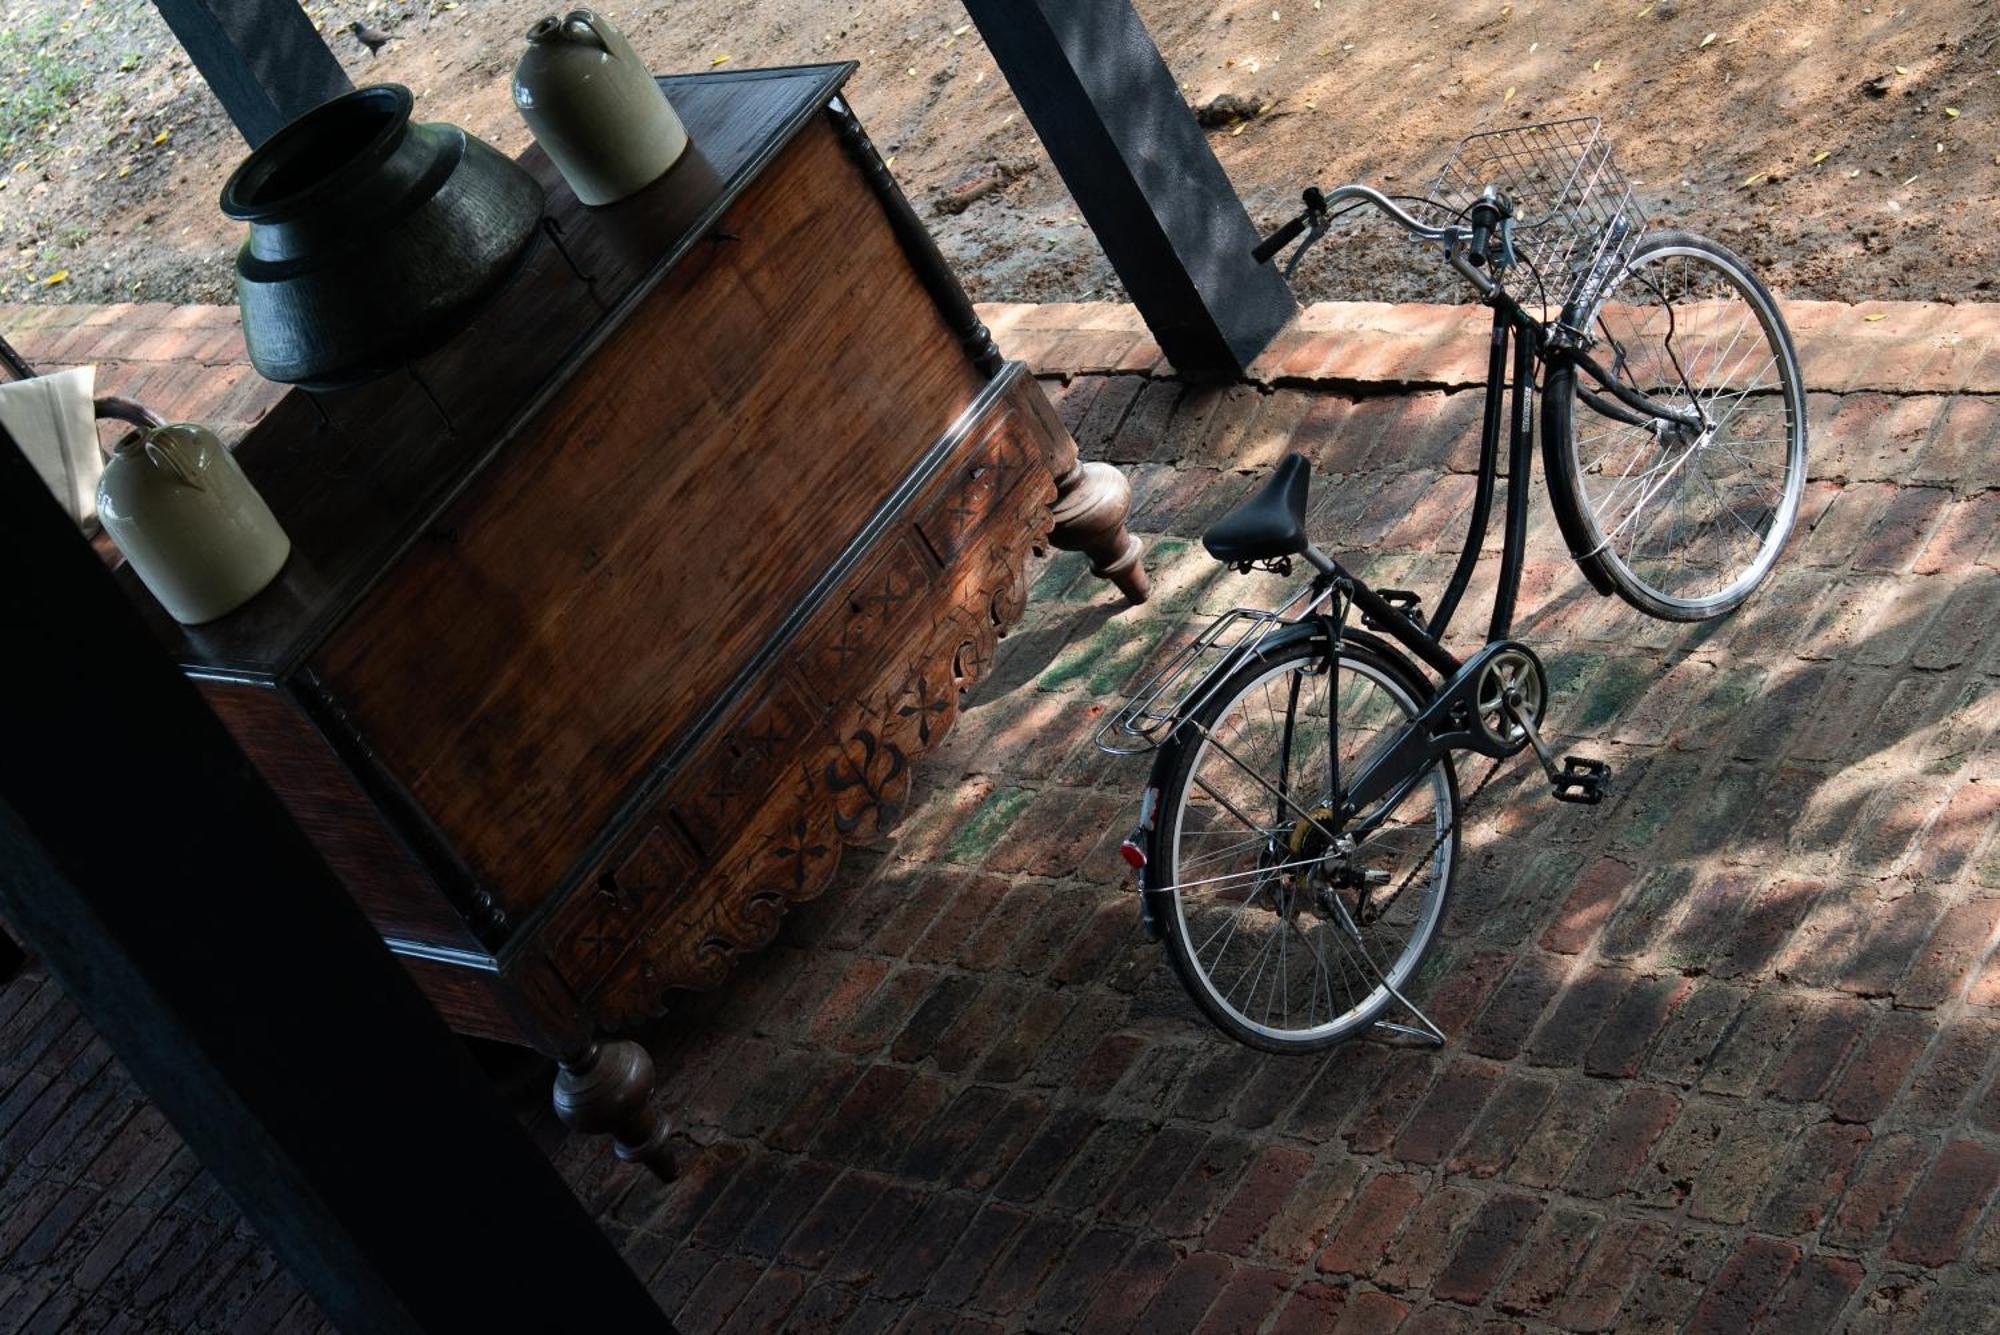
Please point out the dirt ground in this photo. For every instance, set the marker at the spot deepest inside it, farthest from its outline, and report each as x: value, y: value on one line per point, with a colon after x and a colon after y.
x: 1848, y: 149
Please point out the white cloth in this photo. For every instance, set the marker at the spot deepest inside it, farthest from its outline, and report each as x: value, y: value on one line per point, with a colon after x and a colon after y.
x: 53, y: 419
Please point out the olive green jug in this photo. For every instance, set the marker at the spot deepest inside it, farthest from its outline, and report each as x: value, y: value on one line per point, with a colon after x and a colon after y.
x: 591, y: 105
x: 193, y: 527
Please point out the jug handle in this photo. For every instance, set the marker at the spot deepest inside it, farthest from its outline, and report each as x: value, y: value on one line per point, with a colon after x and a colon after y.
x: 587, y: 20
x: 163, y: 453
x: 111, y: 407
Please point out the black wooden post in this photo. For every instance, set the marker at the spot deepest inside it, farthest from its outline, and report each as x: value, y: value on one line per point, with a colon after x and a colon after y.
x: 263, y: 59
x: 1115, y: 124
x: 172, y: 897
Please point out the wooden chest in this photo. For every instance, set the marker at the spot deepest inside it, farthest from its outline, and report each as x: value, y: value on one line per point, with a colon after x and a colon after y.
x: 608, y: 624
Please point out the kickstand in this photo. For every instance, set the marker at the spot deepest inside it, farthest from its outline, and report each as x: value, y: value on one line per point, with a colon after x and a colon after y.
x: 1424, y: 1033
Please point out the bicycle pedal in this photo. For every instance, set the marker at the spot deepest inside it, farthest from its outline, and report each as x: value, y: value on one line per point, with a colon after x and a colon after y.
x: 1583, y: 780
x: 1403, y: 600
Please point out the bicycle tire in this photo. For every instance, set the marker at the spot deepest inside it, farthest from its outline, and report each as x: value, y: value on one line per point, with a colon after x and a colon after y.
x: 1613, y: 559
x: 1366, y: 659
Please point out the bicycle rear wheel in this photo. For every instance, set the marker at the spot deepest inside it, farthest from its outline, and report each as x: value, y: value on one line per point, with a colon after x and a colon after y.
x: 1684, y: 521
x: 1254, y: 930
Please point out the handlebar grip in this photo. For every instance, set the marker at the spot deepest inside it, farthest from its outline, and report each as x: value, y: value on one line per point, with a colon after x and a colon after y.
x: 1482, y: 235
x: 1278, y: 240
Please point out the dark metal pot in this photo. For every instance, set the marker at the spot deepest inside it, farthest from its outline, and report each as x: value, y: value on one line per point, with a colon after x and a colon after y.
x: 372, y: 239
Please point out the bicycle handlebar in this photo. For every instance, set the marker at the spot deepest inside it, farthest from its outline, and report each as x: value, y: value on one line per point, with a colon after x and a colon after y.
x: 1278, y: 240
x: 1453, y: 237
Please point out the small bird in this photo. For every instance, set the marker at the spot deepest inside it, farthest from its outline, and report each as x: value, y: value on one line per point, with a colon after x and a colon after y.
x: 372, y: 38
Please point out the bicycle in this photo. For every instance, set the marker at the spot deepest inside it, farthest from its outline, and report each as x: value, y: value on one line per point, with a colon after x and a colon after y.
x: 1299, y: 830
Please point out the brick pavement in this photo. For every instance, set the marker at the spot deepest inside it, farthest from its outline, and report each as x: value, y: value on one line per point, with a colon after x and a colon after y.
x: 1723, y: 1050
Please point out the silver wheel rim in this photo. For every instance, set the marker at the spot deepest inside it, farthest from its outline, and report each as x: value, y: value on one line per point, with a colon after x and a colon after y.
x: 1423, y: 820
x: 1692, y: 520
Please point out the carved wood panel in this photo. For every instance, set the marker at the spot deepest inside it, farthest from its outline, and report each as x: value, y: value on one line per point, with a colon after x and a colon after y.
x: 927, y: 626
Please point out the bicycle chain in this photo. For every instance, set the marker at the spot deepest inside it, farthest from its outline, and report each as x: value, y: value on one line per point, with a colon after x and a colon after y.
x: 1362, y: 914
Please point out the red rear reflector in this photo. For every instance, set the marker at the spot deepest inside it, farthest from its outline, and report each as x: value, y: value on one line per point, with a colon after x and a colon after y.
x: 1133, y: 854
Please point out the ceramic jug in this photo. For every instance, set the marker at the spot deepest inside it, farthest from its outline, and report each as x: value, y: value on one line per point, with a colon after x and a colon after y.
x: 591, y: 105
x: 196, y: 532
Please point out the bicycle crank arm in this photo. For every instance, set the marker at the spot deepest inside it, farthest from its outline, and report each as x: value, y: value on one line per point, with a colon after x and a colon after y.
x: 1578, y: 779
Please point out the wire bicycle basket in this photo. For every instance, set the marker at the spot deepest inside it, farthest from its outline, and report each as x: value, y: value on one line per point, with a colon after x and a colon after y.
x: 1576, y: 218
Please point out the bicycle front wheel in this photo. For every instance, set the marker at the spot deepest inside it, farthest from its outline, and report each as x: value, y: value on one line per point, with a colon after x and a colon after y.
x: 1284, y: 947
x: 1684, y: 519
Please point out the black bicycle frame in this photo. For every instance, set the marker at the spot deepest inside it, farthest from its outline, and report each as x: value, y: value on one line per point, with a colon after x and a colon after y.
x: 1519, y: 332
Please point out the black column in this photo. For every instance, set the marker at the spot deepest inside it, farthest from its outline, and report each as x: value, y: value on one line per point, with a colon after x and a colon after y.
x: 263, y: 59
x: 1091, y: 81
x: 175, y: 901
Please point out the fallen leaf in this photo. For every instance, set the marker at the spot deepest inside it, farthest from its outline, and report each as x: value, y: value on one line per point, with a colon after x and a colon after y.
x: 1706, y: 41
x: 961, y: 30
x: 125, y: 171
x: 1510, y: 94
x: 1821, y: 156
x: 161, y: 137
x: 1749, y: 181
x: 1901, y: 70
x: 1596, y: 65
x: 1951, y: 112
x: 1871, y: 319
x: 59, y: 276
x: 717, y: 60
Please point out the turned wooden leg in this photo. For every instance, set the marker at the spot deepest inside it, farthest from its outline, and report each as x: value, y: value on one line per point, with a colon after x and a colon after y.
x: 1091, y: 502
x: 609, y: 1087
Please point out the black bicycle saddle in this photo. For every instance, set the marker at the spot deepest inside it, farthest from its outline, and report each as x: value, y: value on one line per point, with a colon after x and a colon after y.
x: 1270, y: 524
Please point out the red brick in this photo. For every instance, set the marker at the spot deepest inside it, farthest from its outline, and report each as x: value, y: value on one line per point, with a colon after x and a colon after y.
x: 1748, y: 1153
x: 1549, y: 1259
x: 1940, y: 1218
x: 1560, y: 1138
x: 1814, y: 1296
x: 1413, y: 1260
x: 1640, y: 1117
x: 1303, y: 1226
x: 1878, y: 1070
x: 1369, y: 1313
x: 1772, y: 910
x: 1624, y: 1252
x: 1818, y: 1046
x: 1588, y: 907
x: 1516, y: 1007
x: 1751, y: 1278
x: 953, y: 1282
x: 1645, y: 1010
x: 1376, y: 1217
x: 1503, y: 1125
x: 1453, y: 1103
x: 1045, y: 1156
x: 1961, y: 536
x: 1313, y: 1309
x: 1187, y: 1294
x: 1963, y: 935
x: 1076, y: 1279
x: 1250, y: 1296
x: 1956, y: 1068
x: 1374, y: 1127
x: 1128, y: 1289
x: 1487, y: 1248
x: 1275, y: 1175
x: 1163, y: 1162
x: 1944, y: 849
x: 1807, y: 1187
x: 1885, y: 1180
